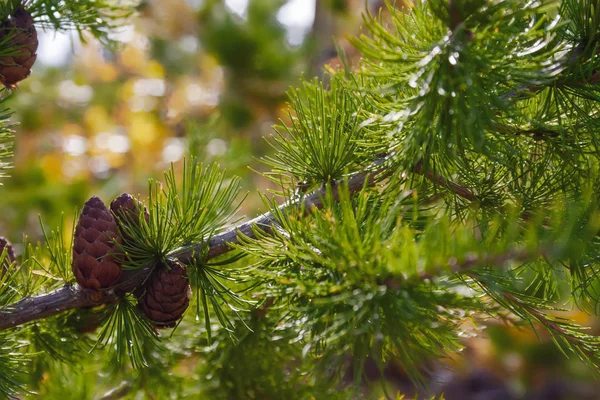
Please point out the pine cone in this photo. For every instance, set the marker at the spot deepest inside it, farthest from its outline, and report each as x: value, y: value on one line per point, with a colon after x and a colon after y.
x: 10, y: 255
x: 127, y: 208
x: 23, y: 37
x: 166, y: 296
x: 95, y: 251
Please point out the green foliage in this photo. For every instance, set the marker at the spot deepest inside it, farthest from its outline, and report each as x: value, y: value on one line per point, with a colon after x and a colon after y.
x: 478, y: 121
x: 249, y: 47
x: 6, y: 136
x: 127, y: 333
x: 8, y: 275
x: 61, y: 256
x: 13, y: 365
x: 180, y: 215
x: 447, y: 81
x: 56, y: 340
x: 570, y: 338
x: 321, y: 142
x: 351, y: 273
x: 96, y: 17
x: 257, y: 366
x: 216, y: 285
x: 204, y: 202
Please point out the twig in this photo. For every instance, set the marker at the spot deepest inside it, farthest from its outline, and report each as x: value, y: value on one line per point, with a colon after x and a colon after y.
x: 438, y: 179
x: 542, y: 319
x: 553, y: 327
x: 118, y: 392
x: 474, y: 260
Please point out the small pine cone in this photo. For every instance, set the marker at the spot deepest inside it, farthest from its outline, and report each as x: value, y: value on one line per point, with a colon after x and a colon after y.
x: 23, y: 37
x: 166, y: 296
x: 95, y: 251
x: 127, y: 208
x: 10, y: 255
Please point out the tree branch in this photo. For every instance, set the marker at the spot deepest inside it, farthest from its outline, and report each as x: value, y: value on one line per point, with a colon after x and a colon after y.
x: 66, y: 298
x: 519, y: 255
x: 219, y: 244
x: 71, y: 297
x: 439, y: 180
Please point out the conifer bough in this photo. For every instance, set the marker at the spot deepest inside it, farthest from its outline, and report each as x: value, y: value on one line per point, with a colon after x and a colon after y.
x: 70, y: 297
x: 487, y: 112
x: 163, y: 296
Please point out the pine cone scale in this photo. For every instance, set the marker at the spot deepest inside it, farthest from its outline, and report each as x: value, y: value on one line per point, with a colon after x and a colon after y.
x: 90, y: 235
x: 29, y: 62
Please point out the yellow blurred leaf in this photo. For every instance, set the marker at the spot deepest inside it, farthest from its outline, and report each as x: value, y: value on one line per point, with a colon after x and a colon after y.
x: 96, y: 119
x: 154, y: 70
x: 143, y: 129
x: 52, y: 166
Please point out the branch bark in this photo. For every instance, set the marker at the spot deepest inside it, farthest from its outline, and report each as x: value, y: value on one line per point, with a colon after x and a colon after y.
x: 66, y: 298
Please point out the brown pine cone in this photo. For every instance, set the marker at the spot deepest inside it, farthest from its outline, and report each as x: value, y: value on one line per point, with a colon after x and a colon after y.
x: 166, y: 296
x: 23, y: 37
x: 127, y: 208
x: 95, y: 252
x: 10, y: 255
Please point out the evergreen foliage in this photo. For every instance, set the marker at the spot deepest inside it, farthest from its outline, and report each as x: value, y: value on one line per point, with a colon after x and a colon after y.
x: 472, y: 129
x: 97, y: 18
x: 6, y: 137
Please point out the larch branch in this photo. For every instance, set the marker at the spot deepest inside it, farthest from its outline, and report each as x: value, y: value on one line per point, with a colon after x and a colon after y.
x: 72, y: 296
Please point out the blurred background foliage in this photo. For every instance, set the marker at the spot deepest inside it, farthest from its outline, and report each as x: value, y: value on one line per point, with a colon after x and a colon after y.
x: 206, y: 78
x: 209, y: 78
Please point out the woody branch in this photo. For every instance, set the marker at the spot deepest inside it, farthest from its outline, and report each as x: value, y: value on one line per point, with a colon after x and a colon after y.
x: 72, y: 296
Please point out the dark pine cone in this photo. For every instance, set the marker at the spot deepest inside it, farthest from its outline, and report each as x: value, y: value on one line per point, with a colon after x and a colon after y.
x: 23, y: 37
x: 10, y: 255
x: 95, y: 251
x: 166, y: 296
x: 127, y: 208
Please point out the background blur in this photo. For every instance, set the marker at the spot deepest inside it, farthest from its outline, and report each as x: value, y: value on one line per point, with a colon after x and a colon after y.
x: 208, y: 78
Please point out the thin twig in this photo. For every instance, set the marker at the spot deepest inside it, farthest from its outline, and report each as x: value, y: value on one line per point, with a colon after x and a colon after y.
x: 118, y: 392
x: 517, y: 255
x: 439, y: 180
